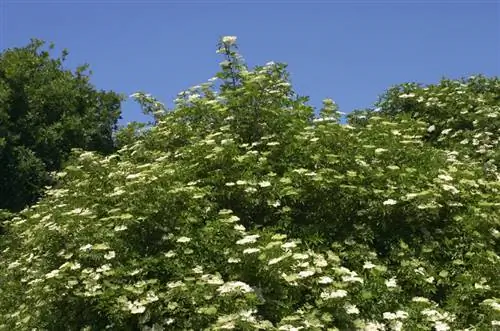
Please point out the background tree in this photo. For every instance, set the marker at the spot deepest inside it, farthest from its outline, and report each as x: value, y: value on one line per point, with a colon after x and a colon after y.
x: 45, y: 110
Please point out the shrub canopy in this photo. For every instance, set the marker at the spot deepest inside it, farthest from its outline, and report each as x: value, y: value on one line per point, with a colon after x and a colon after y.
x: 240, y: 209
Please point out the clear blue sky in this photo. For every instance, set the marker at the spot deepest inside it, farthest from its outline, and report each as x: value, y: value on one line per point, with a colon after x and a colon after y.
x: 350, y: 51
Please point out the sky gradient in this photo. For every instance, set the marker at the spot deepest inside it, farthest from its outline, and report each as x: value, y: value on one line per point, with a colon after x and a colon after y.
x: 350, y: 51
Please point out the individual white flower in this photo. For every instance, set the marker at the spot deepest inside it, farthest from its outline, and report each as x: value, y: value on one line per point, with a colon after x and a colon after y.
x: 229, y: 40
x: 183, y: 240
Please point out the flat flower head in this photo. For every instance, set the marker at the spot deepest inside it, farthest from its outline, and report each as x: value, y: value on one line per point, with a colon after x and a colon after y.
x: 236, y: 286
x: 391, y: 283
x: 265, y: 183
x: 306, y: 273
x: 333, y: 294
x: 368, y: 265
x: 229, y: 40
x: 87, y: 247
x: 351, y: 309
x: 110, y: 255
x: 325, y: 280
x: 183, y: 240
x: 248, y: 239
x: 251, y: 250
x: 389, y: 202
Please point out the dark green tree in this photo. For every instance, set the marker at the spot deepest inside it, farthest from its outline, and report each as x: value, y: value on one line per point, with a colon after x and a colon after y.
x: 45, y: 111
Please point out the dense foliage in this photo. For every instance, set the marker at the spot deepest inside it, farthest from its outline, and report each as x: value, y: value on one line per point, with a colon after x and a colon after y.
x: 242, y: 210
x: 45, y: 110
